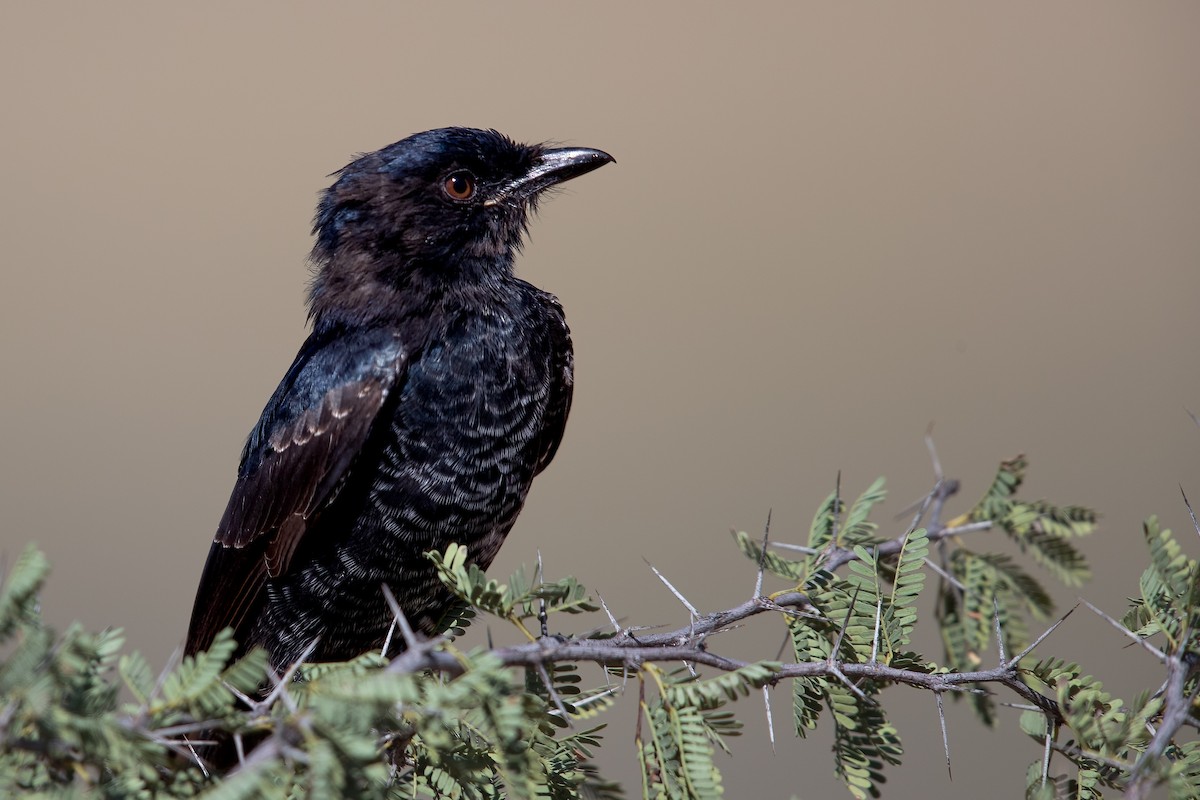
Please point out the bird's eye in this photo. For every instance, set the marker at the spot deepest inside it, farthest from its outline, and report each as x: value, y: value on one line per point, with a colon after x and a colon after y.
x: 459, y: 186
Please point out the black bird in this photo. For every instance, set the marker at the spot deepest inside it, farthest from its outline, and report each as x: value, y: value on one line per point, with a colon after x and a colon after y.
x: 434, y: 386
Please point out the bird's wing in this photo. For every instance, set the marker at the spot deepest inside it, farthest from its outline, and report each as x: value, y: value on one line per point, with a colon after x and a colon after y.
x: 302, y: 448
x: 562, y: 384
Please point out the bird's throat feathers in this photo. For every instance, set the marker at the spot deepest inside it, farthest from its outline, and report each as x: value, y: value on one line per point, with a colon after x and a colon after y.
x: 355, y: 287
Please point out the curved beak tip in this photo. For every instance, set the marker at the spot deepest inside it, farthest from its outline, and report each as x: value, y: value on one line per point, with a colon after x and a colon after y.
x: 551, y: 168
x: 564, y: 163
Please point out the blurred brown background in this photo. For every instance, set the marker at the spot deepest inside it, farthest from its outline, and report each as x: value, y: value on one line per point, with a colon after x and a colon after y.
x: 828, y: 227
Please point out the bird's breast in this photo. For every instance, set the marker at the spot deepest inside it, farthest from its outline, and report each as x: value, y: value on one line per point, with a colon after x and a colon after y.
x: 461, y: 444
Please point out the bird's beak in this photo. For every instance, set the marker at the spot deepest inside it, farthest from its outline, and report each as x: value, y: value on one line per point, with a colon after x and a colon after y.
x: 551, y: 167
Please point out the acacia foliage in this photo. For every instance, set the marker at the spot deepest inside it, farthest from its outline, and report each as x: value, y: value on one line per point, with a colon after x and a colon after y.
x: 441, y: 722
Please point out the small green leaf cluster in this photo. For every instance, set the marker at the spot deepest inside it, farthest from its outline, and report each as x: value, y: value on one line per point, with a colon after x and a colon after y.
x: 866, y: 617
x: 682, y: 725
x: 1043, y: 530
x: 988, y: 591
x: 517, y: 600
x: 61, y: 725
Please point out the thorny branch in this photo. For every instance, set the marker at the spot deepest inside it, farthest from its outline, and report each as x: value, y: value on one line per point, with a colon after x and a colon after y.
x: 686, y: 644
x: 631, y: 648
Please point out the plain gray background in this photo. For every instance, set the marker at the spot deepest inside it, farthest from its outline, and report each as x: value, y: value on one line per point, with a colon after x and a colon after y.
x: 827, y: 228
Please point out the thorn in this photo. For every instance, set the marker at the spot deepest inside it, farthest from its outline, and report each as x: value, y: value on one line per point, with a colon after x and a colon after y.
x: 280, y: 690
x: 1046, y: 756
x: 933, y: 456
x: 616, y: 625
x: 1195, y: 524
x: 836, y: 670
x: 999, y: 634
x: 242, y: 696
x: 787, y: 639
x: 762, y: 556
x: 875, y: 635
x: 691, y: 608
x: 387, y: 641
x: 970, y: 527
x: 837, y: 509
x: 590, y: 699
x: 919, y: 507
x: 196, y: 757
x: 1159, y: 654
x: 837, y: 645
x: 799, y: 548
x: 946, y: 576
x: 174, y: 661
x: 558, y: 703
x: 770, y: 719
x: 1017, y: 658
x: 945, y: 738
x: 406, y: 631
x: 543, y: 615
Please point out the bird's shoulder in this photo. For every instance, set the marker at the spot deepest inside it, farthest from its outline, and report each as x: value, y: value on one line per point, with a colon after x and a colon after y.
x: 312, y: 428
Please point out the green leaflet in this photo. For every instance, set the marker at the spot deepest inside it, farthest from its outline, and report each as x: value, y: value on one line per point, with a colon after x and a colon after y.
x: 19, y: 589
x: 771, y: 561
x: 518, y: 599
x: 1039, y: 528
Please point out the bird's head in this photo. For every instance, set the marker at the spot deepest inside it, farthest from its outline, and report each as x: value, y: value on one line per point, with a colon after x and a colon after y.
x: 435, y: 209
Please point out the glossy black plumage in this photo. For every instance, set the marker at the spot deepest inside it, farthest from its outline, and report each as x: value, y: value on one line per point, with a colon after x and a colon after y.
x: 435, y: 385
